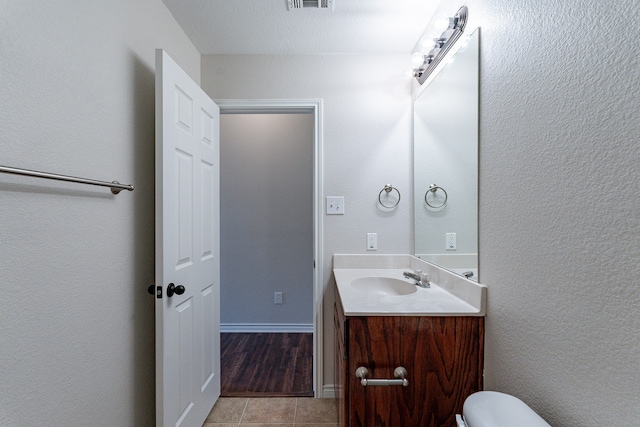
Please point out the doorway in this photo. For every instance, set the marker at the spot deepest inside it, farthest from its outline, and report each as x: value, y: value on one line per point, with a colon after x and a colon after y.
x: 270, y: 224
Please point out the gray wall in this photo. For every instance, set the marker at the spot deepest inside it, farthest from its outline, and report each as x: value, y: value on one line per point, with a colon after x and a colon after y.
x: 266, y: 220
x: 77, y: 98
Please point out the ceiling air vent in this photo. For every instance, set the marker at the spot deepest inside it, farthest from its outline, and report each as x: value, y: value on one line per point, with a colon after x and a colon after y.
x: 315, y: 4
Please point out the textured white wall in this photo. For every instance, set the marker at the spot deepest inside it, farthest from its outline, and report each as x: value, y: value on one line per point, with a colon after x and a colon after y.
x: 77, y: 98
x: 367, y: 141
x: 559, y: 221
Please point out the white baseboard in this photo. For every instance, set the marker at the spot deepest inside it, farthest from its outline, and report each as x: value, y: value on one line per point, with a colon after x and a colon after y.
x: 328, y: 391
x: 266, y: 327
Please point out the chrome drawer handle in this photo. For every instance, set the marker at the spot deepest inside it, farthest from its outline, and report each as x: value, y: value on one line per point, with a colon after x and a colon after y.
x: 400, y: 373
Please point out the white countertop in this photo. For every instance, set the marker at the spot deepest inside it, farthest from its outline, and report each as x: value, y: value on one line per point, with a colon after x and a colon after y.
x: 449, y: 294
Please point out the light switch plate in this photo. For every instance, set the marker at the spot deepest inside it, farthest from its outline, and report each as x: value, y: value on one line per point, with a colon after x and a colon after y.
x: 335, y: 205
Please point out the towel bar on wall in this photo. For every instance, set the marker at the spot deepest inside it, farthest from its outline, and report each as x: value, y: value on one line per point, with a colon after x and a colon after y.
x: 115, y: 186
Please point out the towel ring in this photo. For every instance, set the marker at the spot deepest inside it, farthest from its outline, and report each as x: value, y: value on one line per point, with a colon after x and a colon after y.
x: 433, y: 188
x: 388, y: 189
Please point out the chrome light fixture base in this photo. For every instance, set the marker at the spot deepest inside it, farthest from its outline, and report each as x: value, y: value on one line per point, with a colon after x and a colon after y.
x: 442, y: 45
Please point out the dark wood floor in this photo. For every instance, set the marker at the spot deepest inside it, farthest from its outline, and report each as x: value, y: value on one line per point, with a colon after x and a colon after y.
x: 266, y: 364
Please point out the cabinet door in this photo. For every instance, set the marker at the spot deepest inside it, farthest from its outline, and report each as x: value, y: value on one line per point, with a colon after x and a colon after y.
x: 443, y: 359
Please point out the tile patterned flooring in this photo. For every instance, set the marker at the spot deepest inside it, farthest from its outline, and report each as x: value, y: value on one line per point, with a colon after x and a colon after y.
x: 273, y: 412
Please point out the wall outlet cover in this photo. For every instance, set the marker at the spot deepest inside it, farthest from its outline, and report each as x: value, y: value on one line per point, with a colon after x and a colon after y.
x: 372, y: 241
x: 277, y: 297
x: 450, y: 241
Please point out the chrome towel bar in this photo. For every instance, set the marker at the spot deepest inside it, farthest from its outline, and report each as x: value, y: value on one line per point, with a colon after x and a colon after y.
x: 115, y: 186
x: 400, y: 373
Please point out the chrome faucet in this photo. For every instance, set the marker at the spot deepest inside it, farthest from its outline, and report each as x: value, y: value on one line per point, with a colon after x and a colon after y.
x: 421, y: 278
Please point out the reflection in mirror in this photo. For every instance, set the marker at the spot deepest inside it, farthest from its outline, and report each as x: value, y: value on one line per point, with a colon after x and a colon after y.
x: 445, y: 150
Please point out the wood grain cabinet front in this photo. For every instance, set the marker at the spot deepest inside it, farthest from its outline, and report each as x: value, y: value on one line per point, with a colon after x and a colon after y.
x: 443, y: 357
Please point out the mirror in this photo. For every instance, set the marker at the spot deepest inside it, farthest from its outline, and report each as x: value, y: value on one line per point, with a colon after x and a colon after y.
x: 445, y: 155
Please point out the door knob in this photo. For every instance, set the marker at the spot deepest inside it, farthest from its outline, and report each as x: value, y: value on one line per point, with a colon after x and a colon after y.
x: 157, y: 290
x: 173, y: 289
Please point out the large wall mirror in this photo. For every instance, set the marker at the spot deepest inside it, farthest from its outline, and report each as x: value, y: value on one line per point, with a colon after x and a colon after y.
x: 445, y: 150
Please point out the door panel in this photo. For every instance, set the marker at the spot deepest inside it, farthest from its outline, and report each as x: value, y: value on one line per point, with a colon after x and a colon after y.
x: 187, y: 248
x: 443, y: 357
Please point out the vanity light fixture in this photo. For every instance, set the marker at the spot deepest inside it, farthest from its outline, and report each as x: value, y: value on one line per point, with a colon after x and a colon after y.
x: 441, y: 46
x: 317, y: 4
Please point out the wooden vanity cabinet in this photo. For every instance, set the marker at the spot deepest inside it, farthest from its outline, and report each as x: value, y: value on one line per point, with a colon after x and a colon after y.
x: 442, y: 355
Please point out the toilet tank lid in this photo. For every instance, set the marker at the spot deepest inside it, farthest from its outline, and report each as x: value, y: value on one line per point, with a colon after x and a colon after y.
x: 495, y: 409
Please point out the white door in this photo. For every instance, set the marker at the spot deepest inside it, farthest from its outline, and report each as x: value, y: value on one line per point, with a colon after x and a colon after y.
x: 187, y: 248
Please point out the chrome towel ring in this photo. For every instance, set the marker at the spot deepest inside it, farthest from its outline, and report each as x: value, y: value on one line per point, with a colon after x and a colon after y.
x: 388, y: 189
x: 432, y: 189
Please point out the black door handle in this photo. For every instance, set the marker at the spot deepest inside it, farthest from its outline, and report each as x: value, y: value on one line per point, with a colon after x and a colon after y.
x: 173, y: 289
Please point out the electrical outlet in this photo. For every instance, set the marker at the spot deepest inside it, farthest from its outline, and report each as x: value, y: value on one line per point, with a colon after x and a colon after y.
x: 372, y: 241
x: 277, y: 297
x: 451, y: 241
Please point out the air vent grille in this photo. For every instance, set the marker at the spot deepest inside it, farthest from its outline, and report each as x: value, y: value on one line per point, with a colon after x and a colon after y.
x: 314, y: 4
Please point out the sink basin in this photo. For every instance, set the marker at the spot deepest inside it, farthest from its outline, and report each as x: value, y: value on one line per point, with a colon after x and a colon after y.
x: 383, y: 286
x: 374, y: 285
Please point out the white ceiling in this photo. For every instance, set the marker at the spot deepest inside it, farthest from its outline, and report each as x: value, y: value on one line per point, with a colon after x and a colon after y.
x: 268, y: 27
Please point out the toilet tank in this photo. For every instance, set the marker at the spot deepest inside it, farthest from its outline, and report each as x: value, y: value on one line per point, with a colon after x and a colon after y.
x: 495, y: 409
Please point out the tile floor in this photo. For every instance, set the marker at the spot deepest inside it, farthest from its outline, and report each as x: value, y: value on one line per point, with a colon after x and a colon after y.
x: 273, y: 412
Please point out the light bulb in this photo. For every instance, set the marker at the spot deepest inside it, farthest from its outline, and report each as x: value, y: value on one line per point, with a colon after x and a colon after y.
x: 426, y: 43
x: 410, y: 72
x: 441, y: 23
x: 417, y: 59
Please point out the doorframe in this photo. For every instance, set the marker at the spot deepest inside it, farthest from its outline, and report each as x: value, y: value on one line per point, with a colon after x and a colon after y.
x: 313, y: 106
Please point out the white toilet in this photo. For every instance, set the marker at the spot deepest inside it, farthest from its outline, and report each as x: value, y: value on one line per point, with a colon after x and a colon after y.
x: 495, y: 409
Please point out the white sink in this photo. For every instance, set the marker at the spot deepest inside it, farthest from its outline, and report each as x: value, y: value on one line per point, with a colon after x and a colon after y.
x: 383, y: 286
x: 373, y: 285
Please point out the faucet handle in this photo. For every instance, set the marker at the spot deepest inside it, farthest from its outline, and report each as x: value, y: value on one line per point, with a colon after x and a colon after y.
x: 424, y: 277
